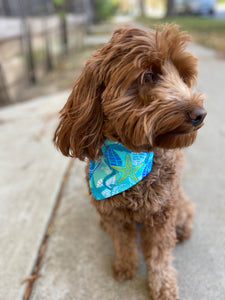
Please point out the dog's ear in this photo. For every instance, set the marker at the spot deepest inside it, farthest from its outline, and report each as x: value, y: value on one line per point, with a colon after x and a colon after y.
x: 173, y: 43
x: 79, y: 133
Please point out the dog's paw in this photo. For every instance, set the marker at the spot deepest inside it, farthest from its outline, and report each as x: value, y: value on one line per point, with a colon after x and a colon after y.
x: 184, y: 224
x: 166, y: 294
x: 124, y: 270
x: 183, y: 232
x: 163, y: 285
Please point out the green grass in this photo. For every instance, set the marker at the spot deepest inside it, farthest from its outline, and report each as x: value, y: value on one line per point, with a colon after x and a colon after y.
x: 209, y: 32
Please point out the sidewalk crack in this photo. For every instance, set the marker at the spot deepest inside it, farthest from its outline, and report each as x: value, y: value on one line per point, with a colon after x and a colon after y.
x: 35, y: 272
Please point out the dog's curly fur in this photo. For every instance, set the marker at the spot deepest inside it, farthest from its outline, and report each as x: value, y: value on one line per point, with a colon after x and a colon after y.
x: 137, y: 90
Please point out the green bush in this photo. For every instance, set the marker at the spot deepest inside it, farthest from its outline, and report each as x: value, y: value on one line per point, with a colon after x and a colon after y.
x: 104, y: 9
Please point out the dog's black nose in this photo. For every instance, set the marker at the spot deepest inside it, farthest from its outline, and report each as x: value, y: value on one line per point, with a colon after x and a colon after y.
x: 197, y: 115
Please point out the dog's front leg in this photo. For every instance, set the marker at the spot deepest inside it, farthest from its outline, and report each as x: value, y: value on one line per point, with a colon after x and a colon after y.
x: 157, y: 244
x: 184, y: 215
x: 125, y: 246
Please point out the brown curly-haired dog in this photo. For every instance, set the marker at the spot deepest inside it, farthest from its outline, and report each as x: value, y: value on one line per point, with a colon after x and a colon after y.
x: 137, y: 90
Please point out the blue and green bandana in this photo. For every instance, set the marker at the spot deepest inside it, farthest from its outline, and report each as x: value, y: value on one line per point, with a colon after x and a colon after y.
x: 118, y: 169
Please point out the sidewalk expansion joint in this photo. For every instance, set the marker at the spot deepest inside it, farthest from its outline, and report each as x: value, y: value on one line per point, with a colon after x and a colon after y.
x: 35, y: 272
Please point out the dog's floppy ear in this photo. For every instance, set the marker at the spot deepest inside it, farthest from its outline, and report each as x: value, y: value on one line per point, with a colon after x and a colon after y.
x: 79, y: 133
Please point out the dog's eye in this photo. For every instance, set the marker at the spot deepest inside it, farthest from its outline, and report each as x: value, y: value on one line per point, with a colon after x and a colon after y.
x: 150, y: 77
x: 184, y: 79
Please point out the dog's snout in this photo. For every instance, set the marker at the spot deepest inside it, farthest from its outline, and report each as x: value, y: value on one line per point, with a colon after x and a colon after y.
x: 197, y: 115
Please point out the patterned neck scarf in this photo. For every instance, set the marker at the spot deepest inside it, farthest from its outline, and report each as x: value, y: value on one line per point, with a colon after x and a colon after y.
x: 118, y: 169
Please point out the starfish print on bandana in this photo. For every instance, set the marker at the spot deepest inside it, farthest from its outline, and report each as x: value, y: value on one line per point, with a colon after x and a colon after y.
x: 117, y: 169
x: 128, y: 170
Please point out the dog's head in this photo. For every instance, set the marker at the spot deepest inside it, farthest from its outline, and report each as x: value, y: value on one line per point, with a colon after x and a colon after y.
x: 136, y: 90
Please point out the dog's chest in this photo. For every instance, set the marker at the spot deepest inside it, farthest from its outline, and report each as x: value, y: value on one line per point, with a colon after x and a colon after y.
x: 155, y: 190
x: 152, y: 196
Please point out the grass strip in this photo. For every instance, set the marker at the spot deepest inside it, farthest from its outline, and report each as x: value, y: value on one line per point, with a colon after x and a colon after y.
x: 206, y: 31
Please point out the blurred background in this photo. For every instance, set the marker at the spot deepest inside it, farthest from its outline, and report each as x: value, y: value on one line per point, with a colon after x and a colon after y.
x: 44, y: 43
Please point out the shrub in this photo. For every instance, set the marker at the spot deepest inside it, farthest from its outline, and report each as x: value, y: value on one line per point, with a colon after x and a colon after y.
x: 104, y: 9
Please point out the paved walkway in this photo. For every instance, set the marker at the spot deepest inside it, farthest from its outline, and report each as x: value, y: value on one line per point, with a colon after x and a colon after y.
x: 31, y: 173
x: 77, y: 262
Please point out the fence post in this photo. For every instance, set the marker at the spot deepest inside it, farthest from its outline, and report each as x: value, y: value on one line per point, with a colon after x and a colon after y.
x: 48, y: 58
x: 60, y: 7
x: 6, y: 7
x: 27, y: 46
x: 4, y: 95
x: 64, y: 34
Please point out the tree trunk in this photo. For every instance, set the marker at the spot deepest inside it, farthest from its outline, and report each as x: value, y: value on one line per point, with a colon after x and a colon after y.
x: 170, y: 8
x: 89, y: 10
x: 142, y: 7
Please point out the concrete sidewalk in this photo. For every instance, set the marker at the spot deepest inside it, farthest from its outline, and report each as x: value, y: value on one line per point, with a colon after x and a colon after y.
x: 77, y: 262
x: 31, y: 173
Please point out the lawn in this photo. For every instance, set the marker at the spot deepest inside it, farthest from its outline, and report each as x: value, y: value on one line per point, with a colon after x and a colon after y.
x: 206, y: 31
